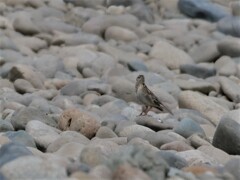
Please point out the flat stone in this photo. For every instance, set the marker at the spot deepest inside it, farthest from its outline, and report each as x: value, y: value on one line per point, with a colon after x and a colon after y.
x: 230, y: 88
x: 34, y: 168
x: 42, y: 134
x: 11, y: 151
x: 204, y: 9
x: 171, y: 56
x: 23, y: 116
x: 67, y: 137
x: 220, y: 156
x: 197, y: 71
x: 187, y: 127
x: 21, y: 137
x: 201, y: 103
x: 229, y: 46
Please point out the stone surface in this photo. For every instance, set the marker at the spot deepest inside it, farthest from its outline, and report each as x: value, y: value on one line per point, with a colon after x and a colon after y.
x: 33, y: 167
x: 187, y: 127
x: 42, y: 134
x: 5, y: 126
x: 11, y: 151
x: 75, y: 120
x: 21, y: 117
x: 171, y: 56
x: 226, y: 136
x: 21, y: 137
x: 231, y: 89
x: 67, y: 137
x: 229, y: 46
x: 204, y: 9
x: 203, y: 104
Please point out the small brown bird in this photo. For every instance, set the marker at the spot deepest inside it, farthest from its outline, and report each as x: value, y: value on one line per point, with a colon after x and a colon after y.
x: 147, y: 98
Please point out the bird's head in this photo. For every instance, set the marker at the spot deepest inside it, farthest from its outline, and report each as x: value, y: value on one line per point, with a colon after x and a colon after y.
x: 140, y: 79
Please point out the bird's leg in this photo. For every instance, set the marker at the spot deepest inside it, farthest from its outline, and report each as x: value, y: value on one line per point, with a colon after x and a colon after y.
x: 147, y: 110
x: 143, y: 110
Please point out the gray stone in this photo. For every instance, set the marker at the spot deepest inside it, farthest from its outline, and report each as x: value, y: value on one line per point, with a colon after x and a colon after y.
x: 210, y: 52
x: 203, y: 104
x: 23, y: 86
x: 170, y: 55
x: 67, y: 137
x: 232, y: 166
x: 152, y: 123
x: 128, y: 172
x: 229, y: 25
x: 99, y: 24
x: 32, y: 167
x: 148, y: 161
x: 197, y: 71
x: 220, y: 156
x: 89, y: 3
x: 42, y: 134
x: 173, y: 160
x: 23, y: 116
x: 196, y: 157
x: 105, y: 132
x: 230, y: 88
x: 137, y: 66
x: 176, y: 146
x: 187, y: 127
x: 226, y: 66
x: 227, y: 135
x: 120, y: 34
x: 28, y: 73
x: 75, y: 39
x: 54, y: 64
x: 202, y: 9
x: 195, y: 85
x: 21, y: 137
x: 70, y: 150
x: 24, y: 24
x: 5, y: 126
x: 10, y: 152
x: 229, y: 46
x: 77, y: 87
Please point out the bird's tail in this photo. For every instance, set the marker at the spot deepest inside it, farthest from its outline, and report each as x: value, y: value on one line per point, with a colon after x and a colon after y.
x: 162, y: 108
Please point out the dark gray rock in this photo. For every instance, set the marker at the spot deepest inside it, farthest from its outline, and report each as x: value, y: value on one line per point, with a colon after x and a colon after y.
x: 187, y: 127
x: 147, y: 160
x: 227, y: 135
x: 203, y: 9
x: 197, y: 71
x: 21, y: 137
x: 23, y: 116
x: 173, y: 160
x: 11, y: 151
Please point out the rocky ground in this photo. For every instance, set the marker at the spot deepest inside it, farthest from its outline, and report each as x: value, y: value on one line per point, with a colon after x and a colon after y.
x: 67, y: 89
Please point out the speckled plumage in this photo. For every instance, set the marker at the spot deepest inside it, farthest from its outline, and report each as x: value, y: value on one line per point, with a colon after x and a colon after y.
x: 147, y: 98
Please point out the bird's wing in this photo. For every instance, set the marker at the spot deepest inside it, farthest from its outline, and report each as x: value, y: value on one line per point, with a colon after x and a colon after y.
x: 156, y: 103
